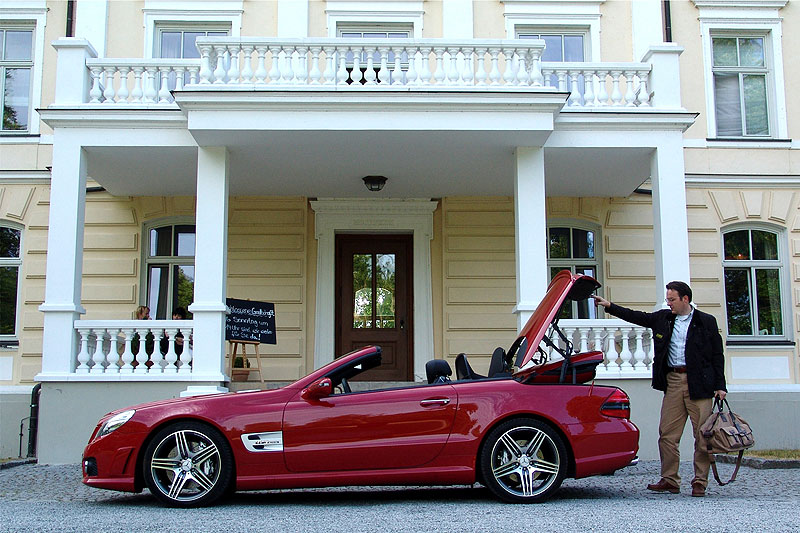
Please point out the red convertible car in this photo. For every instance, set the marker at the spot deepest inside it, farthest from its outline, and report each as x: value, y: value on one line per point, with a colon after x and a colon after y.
x: 519, y: 430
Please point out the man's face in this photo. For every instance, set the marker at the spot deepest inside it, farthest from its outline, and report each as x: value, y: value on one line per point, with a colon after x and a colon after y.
x: 678, y: 305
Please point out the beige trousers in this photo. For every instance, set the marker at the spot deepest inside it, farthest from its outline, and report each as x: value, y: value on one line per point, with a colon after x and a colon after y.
x: 675, y: 408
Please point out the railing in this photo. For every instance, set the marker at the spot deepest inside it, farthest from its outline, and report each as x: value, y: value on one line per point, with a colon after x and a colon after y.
x: 627, y: 349
x: 134, y: 347
x: 367, y: 64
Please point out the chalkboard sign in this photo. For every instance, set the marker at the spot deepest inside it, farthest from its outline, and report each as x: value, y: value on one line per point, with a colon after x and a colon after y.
x: 250, y: 321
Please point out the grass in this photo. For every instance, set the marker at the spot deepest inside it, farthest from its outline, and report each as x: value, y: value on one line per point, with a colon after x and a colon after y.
x: 774, y: 454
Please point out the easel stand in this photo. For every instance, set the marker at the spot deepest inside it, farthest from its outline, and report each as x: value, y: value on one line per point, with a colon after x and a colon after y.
x: 243, y: 344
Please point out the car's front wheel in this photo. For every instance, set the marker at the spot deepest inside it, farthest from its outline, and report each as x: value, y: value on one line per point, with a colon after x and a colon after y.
x: 188, y: 464
x: 523, y: 461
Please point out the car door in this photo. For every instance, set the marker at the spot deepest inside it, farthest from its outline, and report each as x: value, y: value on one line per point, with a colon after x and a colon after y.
x: 395, y: 428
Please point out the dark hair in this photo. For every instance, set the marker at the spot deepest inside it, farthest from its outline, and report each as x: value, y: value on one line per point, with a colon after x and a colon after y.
x: 681, y: 288
x: 180, y: 311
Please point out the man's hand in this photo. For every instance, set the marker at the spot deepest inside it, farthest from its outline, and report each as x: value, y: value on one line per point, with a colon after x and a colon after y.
x: 720, y: 394
x: 599, y: 300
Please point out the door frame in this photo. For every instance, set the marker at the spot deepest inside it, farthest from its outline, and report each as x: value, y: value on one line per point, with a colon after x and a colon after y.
x: 414, y: 216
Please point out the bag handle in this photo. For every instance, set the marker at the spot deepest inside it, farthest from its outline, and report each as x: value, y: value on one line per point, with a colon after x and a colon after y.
x: 714, y: 467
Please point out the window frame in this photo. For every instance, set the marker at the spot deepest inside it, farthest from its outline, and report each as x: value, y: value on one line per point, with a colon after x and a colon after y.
x: 33, y: 19
x: 183, y: 28
x: 523, y: 29
x: 13, y: 338
x: 723, y: 18
x: 171, y: 260
x: 781, y: 264
x: 571, y: 262
x: 342, y: 14
x: 228, y: 16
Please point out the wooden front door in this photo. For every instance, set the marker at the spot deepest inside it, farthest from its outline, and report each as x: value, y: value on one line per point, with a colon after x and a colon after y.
x: 374, y: 301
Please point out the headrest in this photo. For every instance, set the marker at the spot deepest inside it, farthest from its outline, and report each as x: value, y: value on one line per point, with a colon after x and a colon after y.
x: 436, y: 368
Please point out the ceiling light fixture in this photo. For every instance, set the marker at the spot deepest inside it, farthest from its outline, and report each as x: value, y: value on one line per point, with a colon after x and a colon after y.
x: 374, y: 183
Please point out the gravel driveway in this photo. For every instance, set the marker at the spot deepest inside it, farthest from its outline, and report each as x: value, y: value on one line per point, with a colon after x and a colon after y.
x: 46, y: 498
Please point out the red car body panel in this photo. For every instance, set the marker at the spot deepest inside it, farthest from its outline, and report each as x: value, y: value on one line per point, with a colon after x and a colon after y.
x: 422, y: 434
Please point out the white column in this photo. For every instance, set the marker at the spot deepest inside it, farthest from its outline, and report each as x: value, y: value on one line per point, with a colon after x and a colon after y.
x: 457, y: 19
x: 62, y: 301
x: 211, y: 254
x: 531, y: 231
x: 91, y: 22
x: 670, y: 227
x: 292, y: 18
x: 73, y: 79
x: 665, y: 77
x: 648, y: 26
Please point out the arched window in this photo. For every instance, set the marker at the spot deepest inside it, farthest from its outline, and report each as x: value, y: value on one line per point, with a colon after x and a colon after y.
x: 10, y: 262
x: 169, y: 264
x: 753, y: 264
x: 573, y: 248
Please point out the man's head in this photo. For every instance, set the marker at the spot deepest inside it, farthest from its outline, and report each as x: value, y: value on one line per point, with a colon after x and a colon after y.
x: 679, y: 297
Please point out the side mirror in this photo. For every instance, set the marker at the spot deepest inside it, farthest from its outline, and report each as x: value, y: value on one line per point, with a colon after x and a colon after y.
x: 322, y: 388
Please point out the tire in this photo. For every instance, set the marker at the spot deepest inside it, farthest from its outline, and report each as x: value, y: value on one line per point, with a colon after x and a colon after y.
x: 523, y: 461
x: 188, y: 464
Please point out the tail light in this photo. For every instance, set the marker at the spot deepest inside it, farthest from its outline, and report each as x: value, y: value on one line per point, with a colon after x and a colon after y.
x: 618, y: 405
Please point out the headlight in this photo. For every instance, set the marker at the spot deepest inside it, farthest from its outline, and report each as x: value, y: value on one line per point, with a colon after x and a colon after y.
x: 115, y: 422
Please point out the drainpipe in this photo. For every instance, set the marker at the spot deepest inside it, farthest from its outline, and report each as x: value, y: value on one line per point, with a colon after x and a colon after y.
x: 667, y: 22
x: 70, y: 31
x: 33, y: 427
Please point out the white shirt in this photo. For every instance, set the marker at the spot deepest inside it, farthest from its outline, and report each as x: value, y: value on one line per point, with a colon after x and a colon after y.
x: 677, y: 343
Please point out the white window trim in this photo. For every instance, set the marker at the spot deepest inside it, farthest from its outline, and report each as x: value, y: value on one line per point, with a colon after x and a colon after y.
x: 743, y: 18
x: 783, y: 265
x: 354, y: 13
x: 213, y: 14
x: 566, y: 15
x: 7, y: 261
x: 35, y: 17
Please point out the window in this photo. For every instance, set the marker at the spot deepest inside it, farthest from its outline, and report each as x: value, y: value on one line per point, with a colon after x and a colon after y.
x: 753, y: 277
x: 573, y: 249
x: 180, y: 44
x: 741, y: 81
x: 558, y: 46
x: 16, y: 68
x: 170, y: 269
x: 10, y: 261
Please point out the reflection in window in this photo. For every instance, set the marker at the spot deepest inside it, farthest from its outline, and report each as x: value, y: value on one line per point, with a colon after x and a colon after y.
x: 752, y: 278
x: 374, y: 288
x: 16, y: 63
x: 573, y: 249
x: 170, y: 269
x: 10, y: 262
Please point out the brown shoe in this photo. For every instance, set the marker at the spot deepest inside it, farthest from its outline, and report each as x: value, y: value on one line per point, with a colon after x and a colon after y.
x: 663, y: 486
x: 698, y: 490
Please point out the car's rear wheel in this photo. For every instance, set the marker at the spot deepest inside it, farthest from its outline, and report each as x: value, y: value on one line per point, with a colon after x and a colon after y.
x: 523, y: 461
x: 188, y: 464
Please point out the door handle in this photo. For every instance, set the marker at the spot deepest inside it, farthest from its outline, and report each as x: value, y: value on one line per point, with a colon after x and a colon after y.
x: 402, y: 324
x: 434, y: 401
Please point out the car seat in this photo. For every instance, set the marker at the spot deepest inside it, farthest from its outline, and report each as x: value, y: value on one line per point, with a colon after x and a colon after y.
x: 438, y: 371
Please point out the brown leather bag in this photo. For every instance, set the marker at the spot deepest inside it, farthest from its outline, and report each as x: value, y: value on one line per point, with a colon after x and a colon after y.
x: 725, y: 432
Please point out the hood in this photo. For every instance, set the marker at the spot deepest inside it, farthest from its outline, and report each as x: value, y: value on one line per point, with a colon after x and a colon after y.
x: 564, y: 286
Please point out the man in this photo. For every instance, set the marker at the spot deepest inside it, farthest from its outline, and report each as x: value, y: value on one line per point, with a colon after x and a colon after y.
x: 689, y: 367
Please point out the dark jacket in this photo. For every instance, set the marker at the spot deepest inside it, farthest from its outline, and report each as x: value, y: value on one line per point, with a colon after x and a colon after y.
x: 705, y: 362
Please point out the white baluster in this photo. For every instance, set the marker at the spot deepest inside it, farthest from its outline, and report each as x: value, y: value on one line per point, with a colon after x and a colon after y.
x: 83, y: 357
x: 643, y: 93
x: 638, y: 354
x: 108, y: 93
x: 537, y: 78
x: 330, y: 66
x: 315, y: 75
x: 122, y: 93
x: 233, y: 66
x: 261, y: 70
x: 205, y: 63
x: 301, y: 71
x: 648, y: 358
x: 247, y: 67
x: 588, y: 84
x: 98, y: 355
x: 562, y: 80
x: 412, y: 76
x: 584, y: 336
x: 602, y: 94
x: 179, y: 76
x: 163, y: 91
x: 341, y: 73
x: 468, y: 66
x: 170, y: 358
x: 425, y: 73
x: 137, y: 94
x: 480, y: 66
x: 397, y: 71
x: 523, y: 77
x: 625, y: 354
x: 275, y: 69
x: 127, y: 353
x: 383, y: 71
x: 149, y: 79
x: 187, y: 354
x: 508, y: 71
x: 113, y: 351
x: 287, y: 69
x: 494, y: 74
x: 612, y: 355
x: 575, y: 94
x: 630, y: 96
x: 452, y: 76
x: 439, y: 74
x: 219, y: 72
x: 616, y: 95
x: 547, y: 77
x: 193, y: 74
x: 96, y: 92
x: 369, y: 73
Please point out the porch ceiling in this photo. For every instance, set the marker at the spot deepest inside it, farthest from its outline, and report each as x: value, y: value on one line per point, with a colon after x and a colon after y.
x: 332, y: 163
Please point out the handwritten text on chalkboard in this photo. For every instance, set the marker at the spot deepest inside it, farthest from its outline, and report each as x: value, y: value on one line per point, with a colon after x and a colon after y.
x: 250, y: 321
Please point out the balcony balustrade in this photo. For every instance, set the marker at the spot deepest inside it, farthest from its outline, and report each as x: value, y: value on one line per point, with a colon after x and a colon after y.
x: 367, y: 65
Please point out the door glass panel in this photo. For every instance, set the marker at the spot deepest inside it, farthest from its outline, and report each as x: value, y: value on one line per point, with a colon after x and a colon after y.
x: 583, y: 244
x: 385, y: 291
x: 559, y: 243
x: 157, y: 288
x: 768, y: 296
x: 737, y: 245
x: 586, y: 308
x: 161, y: 242
x: 737, y: 298
x: 184, y: 241
x: 183, y: 293
x: 362, y: 291
x: 765, y: 245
